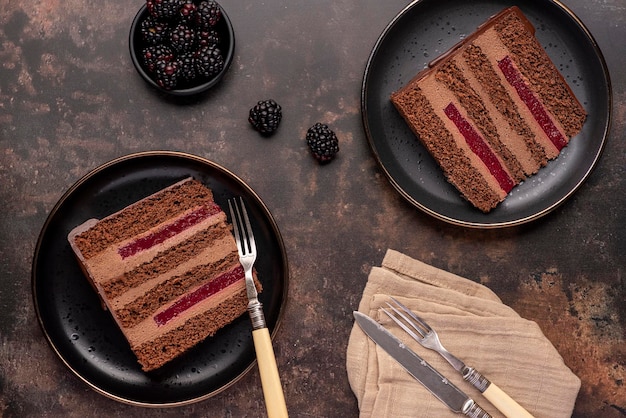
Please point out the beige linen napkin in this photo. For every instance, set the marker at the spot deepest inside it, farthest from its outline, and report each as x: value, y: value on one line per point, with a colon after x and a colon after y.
x: 472, y: 323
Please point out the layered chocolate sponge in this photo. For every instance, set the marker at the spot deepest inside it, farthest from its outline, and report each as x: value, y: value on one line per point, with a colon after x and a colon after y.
x: 167, y: 269
x: 493, y: 110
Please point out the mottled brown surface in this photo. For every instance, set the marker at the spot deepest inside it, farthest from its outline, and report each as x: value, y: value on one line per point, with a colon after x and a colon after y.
x: 70, y: 100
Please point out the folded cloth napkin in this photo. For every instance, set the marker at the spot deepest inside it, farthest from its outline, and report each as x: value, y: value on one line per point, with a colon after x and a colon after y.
x: 472, y: 323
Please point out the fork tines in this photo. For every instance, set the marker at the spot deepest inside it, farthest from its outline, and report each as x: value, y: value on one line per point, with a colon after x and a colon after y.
x: 246, y: 246
x: 241, y: 227
x: 411, y: 324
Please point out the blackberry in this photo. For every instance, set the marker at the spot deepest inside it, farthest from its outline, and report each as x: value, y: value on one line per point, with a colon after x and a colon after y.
x: 187, y: 63
x: 154, y: 31
x: 163, y: 9
x: 155, y: 53
x: 166, y: 73
x: 265, y: 116
x: 323, y: 142
x: 182, y: 38
x: 208, y: 37
x: 187, y: 11
x: 209, y: 61
x: 208, y: 14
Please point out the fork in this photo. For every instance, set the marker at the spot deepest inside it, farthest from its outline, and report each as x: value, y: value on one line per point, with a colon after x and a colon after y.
x: 421, y: 332
x: 268, y: 370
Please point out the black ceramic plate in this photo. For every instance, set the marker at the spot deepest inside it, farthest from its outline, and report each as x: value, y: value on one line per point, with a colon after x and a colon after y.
x: 85, y: 336
x: 427, y: 28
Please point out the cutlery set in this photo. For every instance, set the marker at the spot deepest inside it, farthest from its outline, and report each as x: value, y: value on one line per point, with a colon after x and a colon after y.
x: 455, y: 399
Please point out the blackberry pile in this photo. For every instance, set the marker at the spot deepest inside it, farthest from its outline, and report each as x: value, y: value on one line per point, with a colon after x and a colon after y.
x: 181, y: 42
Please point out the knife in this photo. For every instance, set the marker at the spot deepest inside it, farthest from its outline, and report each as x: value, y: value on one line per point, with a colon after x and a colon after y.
x: 428, y: 338
x: 417, y: 367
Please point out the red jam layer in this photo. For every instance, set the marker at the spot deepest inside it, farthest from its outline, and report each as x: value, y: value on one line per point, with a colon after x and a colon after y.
x: 219, y: 283
x: 478, y: 145
x: 531, y: 101
x: 168, y: 231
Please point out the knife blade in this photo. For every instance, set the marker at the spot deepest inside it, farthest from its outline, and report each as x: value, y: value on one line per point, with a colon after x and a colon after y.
x: 455, y: 399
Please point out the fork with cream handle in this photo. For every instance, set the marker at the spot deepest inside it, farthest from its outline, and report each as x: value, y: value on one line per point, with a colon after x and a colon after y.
x: 421, y: 332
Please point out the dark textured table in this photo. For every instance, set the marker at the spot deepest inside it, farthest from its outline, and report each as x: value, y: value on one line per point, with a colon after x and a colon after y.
x: 70, y: 101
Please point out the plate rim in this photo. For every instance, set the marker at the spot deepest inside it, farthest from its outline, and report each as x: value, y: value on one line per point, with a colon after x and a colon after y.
x: 446, y: 217
x: 103, y: 167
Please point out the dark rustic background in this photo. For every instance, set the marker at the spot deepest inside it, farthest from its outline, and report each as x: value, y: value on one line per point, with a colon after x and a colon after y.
x: 70, y: 101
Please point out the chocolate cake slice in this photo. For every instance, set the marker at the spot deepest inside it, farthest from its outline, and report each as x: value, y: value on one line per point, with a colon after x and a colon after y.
x: 493, y: 110
x: 167, y: 269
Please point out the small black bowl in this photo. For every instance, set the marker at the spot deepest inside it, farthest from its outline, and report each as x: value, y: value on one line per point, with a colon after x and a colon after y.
x: 227, y: 45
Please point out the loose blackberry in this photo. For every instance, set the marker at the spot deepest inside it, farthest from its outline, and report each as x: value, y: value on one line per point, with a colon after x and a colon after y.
x: 208, y: 13
x: 187, y: 11
x: 208, y: 37
x: 166, y: 73
x: 163, y: 9
x: 323, y: 142
x: 182, y: 38
x: 265, y: 116
x: 155, y: 53
x: 187, y: 63
x: 154, y: 31
x: 209, y: 61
